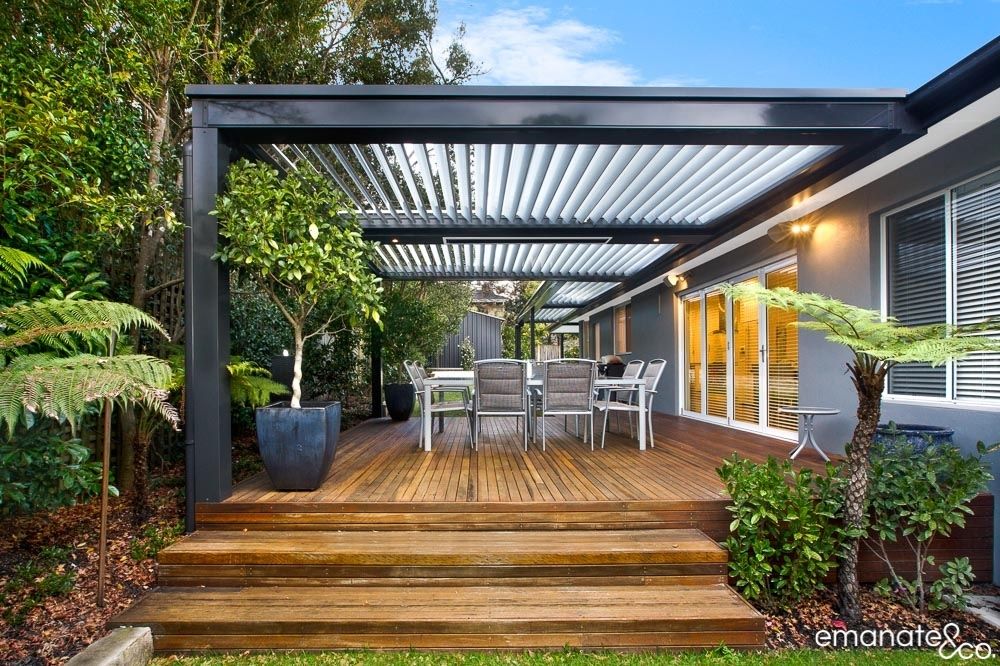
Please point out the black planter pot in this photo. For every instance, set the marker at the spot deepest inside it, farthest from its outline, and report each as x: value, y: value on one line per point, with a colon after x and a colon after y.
x: 399, y: 401
x: 298, y: 445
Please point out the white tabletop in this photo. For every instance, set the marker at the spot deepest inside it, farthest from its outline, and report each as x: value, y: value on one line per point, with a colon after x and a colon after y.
x: 809, y: 411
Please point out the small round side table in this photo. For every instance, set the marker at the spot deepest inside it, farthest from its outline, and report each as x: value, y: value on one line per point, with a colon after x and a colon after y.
x: 808, y: 414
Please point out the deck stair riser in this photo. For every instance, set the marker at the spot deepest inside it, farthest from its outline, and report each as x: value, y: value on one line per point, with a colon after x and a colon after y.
x: 653, y: 557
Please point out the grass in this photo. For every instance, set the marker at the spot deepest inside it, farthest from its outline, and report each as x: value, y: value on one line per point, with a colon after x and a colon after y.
x: 720, y: 657
x: 449, y: 396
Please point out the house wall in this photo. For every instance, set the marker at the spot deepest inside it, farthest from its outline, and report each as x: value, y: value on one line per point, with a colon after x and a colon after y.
x: 842, y: 258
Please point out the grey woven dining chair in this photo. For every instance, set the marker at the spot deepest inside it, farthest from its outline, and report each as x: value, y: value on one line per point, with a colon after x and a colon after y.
x: 568, y: 390
x: 651, y: 379
x: 501, y: 390
x: 418, y: 377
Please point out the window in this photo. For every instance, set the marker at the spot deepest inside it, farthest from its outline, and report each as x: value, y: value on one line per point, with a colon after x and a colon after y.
x: 623, y: 329
x: 943, y: 265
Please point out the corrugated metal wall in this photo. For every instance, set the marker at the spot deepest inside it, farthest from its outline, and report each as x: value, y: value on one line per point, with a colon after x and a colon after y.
x: 483, y: 330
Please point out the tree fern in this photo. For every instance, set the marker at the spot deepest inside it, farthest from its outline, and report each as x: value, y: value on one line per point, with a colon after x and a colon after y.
x: 69, y: 326
x: 47, y: 364
x: 250, y: 384
x: 14, y: 266
x: 62, y: 387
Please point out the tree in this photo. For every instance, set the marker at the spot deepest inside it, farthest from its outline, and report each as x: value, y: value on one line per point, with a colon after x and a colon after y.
x: 56, y: 357
x: 298, y: 238
x: 877, y: 345
x: 419, y: 316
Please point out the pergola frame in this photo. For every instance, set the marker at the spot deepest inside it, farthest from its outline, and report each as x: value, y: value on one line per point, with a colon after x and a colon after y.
x: 229, y: 122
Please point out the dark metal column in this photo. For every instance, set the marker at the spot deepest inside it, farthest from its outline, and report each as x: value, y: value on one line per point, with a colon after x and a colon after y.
x: 206, y: 294
x: 518, y: 331
x: 375, y: 341
x: 532, y: 357
x: 562, y: 346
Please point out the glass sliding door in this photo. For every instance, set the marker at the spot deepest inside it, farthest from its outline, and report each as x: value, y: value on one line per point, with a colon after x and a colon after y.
x: 717, y: 356
x: 693, y: 335
x: 741, y: 359
x: 782, y: 355
x: 746, y: 360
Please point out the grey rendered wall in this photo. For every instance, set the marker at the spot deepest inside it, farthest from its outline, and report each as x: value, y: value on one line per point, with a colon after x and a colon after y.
x: 843, y: 259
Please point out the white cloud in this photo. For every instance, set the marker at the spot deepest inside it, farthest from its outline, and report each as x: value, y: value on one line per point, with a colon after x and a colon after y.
x: 527, y: 46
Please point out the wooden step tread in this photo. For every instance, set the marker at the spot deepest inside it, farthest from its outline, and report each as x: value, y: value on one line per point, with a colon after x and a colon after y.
x: 476, y: 548
x: 445, y: 617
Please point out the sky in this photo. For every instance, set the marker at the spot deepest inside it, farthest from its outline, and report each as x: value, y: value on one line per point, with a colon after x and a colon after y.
x: 753, y: 43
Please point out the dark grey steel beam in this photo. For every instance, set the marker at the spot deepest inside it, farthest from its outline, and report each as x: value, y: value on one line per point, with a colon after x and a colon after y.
x: 206, y: 285
x: 619, y: 234
x: 443, y: 114
x: 473, y: 275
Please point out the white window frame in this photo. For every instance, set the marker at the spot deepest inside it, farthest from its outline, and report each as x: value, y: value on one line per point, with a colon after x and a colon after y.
x: 950, y: 296
x: 759, y: 271
x: 614, y: 327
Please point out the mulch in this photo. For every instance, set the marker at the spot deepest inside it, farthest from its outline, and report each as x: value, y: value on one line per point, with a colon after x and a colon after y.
x: 797, y: 627
x: 60, y: 626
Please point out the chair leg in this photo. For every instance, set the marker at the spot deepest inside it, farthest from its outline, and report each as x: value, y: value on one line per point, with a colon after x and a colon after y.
x: 604, y: 430
x: 652, y: 443
x: 592, y: 437
x: 543, y: 431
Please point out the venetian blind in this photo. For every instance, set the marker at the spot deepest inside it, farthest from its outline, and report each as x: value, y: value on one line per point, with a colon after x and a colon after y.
x: 917, y: 287
x: 782, y: 355
x: 976, y: 215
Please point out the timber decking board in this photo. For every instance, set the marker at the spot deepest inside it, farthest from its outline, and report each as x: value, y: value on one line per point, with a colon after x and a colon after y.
x: 378, y: 461
x: 414, y: 548
x: 446, y: 617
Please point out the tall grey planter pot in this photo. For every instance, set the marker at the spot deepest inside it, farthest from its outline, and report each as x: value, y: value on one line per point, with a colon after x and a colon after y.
x: 298, y: 445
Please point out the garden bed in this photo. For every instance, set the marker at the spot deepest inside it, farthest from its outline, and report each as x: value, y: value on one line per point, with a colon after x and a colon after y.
x: 48, y: 572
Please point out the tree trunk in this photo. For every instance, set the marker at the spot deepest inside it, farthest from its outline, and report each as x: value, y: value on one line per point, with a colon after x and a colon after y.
x: 140, y: 495
x: 869, y: 380
x: 297, y: 368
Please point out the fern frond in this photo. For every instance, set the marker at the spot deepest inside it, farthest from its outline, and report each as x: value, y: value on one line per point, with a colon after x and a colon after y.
x: 62, y: 388
x: 14, y: 266
x: 69, y: 325
x: 251, y: 384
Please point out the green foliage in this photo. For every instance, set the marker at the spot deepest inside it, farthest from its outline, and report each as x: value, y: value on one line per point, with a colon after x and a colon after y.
x: 785, y: 533
x: 250, y: 384
x: 915, y: 497
x: 419, y: 316
x: 468, y: 353
x: 49, y: 370
x: 32, y: 581
x: 153, y: 539
x: 298, y: 239
x: 257, y: 331
x: 867, y: 333
x: 40, y: 471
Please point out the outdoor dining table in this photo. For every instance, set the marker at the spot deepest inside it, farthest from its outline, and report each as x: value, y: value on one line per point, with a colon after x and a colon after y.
x: 465, y: 378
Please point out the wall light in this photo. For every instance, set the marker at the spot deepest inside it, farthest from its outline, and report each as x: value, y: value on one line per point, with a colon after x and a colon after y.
x: 795, y: 229
x: 676, y: 280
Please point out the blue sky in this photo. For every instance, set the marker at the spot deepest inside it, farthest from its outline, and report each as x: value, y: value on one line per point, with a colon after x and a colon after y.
x: 823, y: 43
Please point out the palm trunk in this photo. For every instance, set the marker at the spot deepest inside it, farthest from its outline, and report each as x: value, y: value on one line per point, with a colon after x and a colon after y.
x: 869, y: 380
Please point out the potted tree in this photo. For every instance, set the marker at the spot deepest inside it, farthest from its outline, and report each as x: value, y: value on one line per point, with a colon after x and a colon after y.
x: 298, y: 239
x: 418, y: 317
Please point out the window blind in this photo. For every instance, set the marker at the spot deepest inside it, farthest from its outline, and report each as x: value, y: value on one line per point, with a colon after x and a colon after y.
x: 976, y: 215
x: 918, y: 287
x: 783, y: 354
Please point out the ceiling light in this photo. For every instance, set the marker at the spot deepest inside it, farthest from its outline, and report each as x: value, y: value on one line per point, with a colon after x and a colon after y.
x: 395, y: 240
x: 656, y: 239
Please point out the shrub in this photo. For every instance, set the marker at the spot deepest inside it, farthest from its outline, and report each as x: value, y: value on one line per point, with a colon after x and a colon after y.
x: 467, y: 352
x: 919, y: 496
x: 39, y: 470
x: 786, y: 532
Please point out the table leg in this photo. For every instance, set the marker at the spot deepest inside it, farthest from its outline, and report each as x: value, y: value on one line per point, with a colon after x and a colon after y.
x: 812, y: 440
x: 642, y: 417
x: 428, y: 418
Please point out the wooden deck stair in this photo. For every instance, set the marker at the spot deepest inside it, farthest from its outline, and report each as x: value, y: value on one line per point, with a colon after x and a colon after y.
x: 483, y: 589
